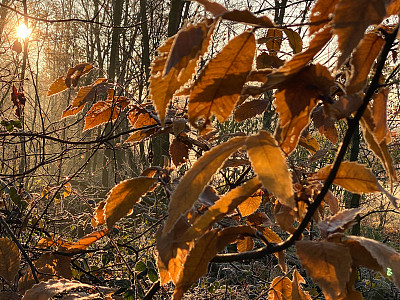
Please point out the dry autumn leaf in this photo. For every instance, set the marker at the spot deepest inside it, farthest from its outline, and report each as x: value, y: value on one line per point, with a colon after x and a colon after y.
x: 328, y: 264
x: 321, y: 14
x: 273, y: 40
x: 270, y: 166
x: 87, y: 240
x: 245, y: 244
x: 362, y: 61
x: 379, y: 115
x: 9, y: 259
x: 351, y: 19
x: 123, y: 196
x: 281, y: 289
x: 46, y: 290
x: 295, y: 41
x: 178, y: 152
x: 203, y: 251
x: 297, y: 292
x: 220, y: 83
x: 339, y: 222
x: 245, y: 16
x: 197, y: 178
x: 222, y: 207
x: 250, y: 205
x: 250, y: 109
x: 213, y: 7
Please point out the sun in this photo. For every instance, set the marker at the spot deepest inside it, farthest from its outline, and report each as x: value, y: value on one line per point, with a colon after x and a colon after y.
x: 23, y: 32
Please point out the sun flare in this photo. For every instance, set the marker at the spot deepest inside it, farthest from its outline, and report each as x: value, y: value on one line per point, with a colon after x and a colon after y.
x: 23, y: 32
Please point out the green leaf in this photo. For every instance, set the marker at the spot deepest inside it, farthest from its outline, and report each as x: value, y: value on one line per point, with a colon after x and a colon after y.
x: 140, y: 267
x: 152, y: 274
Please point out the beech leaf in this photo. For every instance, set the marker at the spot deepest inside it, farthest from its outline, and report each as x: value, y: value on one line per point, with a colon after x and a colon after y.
x: 123, y: 196
x: 250, y: 205
x: 295, y: 41
x: 250, y: 109
x: 87, y: 240
x: 245, y: 244
x: 339, y: 222
x: 328, y: 264
x: 280, y: 289
x: 351, y: 19
x: 9, y: 259
x: 270, y: 166
x: 244, y: 16
x: 213, y: 7
x: 197, y: 178
x: 321, y: 14
x: 297, y: 292
x: 47, y: 289
x: 178, y: 152
x: 220, y: 83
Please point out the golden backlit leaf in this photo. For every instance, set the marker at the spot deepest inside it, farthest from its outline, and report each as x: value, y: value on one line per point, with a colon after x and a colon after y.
x: 123, y: 196
x: 57, y: 86
x: 310, y: 143
x: 379, y: 115
x: 205, y: 248
x: 104, y: 111
x: 273, y: 40
x: 250, y: 109
x: 47, y: 289
x: 245, y: 16
x: 285, y: 217
x: 213, y: 7
x: 328, y: 264
x: 163, y: 88
x: 393, y: 8
x: 321, y: 14
x: 139, y: 135
x: 325, y: 124
x: 245, y: 244
x: 236, y: 162
x: 90, y: 92
x: 270, y: 166
x: 87, y: 240
x: 178, y: 152
x: 351, y: 19
x: 280, y: 289
x: 362, y: 61
x: 339, y: 222
x: 9, y: 259
x: 258, y: 219
x: 172, y: 249
x: 163, y: 273
x: 197, y: 178
x: 250, y: 205
x: 297, y: 292
x: 356, y: 179
x: 223, y: 206
x: 295, y: 41
x: 220, y: 83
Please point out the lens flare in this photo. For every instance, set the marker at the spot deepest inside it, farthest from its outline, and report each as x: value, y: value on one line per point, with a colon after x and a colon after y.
x: 23, y: 32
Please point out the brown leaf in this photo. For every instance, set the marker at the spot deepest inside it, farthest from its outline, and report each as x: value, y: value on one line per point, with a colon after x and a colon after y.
x: 325, y: 124
x: 187, y: 45
x: 329, y: 265
x: 9, y: 259
x: 46, y: 290
x: 270, y: 165
x: 310, y: 143
x: 178, y: 152
x: 273, y: 40
x: 123, y: 196
x: 203, y: 251
x: 356, y: 179
x: 351, y: 19
x: 393, y: 8
x: 380, y: 149
x: 258, y: 219
x: 87, y: 240
x: 90, y: 92
x: 235, y: 162
x: 383, y: 256
x: 213, y: 7
x: 362, y: 61
x: 321, y: 14
x: 220, y: 83
x: 222, y: 207
x: 332, y: 202
x: 172, y: 249
x: 139, y: 135
x: 344, y: 107
x: 244, y: 16
x: 250, y: 109
x: 295, y: 41
x: 163, y: 88
x: 297, y: 292
x: 296, y: 99
x: 284, y: 216
x: 245, y: 244
x: 99, y: 213
x: 381, y: 130
x: 163, y: 273
x: 197, y: 178
x: 339, y: 222
x: 280, y: 289
x: 265, y: 60
x: 250, y: 205
x: 76, y: 72
x: 9, y: 295
x: 57, y: 86
x: 104, y: 111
